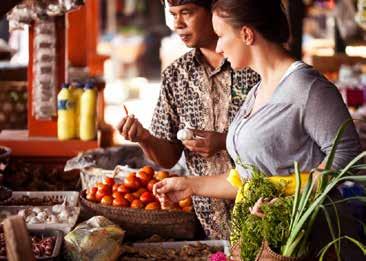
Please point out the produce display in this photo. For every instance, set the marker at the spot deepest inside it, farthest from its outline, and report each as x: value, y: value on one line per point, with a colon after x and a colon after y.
x: 192, y: 252
x: 42, y: 246
x: 50, y: 215
x: 57, y: 214
x: 135, y: 191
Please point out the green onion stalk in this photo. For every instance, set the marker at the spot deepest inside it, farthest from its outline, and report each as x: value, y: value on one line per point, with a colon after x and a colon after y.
x: 307, y: 203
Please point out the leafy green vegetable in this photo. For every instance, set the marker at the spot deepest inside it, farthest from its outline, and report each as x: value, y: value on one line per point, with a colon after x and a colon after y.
x: 249, y: 230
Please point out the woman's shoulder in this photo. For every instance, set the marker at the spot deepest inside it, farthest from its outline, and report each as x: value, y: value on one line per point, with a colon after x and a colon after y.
x: 306, y: 81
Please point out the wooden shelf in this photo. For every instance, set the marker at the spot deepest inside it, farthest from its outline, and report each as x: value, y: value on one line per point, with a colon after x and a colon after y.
x: 23, y: 145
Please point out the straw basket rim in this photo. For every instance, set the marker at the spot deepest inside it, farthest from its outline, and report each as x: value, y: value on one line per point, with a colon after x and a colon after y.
x: 139, y: 216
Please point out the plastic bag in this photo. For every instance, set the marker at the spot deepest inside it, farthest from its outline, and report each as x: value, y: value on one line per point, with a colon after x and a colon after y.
x: 95, y: 239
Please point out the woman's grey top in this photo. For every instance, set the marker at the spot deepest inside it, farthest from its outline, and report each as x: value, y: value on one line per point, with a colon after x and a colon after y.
x: 299, y: 123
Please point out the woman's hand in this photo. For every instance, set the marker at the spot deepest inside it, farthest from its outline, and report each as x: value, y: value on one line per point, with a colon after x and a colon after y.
x: 256, y: 209
x: 173, y: 189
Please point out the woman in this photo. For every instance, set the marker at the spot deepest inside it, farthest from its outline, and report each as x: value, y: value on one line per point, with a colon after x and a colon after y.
x: 292, y: 114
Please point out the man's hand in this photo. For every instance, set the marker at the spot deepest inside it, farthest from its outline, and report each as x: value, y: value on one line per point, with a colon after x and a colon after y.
x: 131, y: 129
x: 206, y: 143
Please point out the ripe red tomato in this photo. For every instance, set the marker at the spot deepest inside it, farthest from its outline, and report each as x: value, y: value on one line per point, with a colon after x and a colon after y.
x: 107, y: 200
x: 91, y: 197
x: 132, y: 182
x: 99, y: 195
x: 160, y: 175
x: 153, y: 206
x: 103, y: 188
x: 129, y: 197
x: 117, y: 194
x: 137, y: 204
x: 147, y: 197
x: 131, y: 174
x: 138, y: 193
x: 145, y: 177
x: 187, y: 209
x: 92, y: 190
x: 123, y: 189
x: 185, y: 202
x: 108, y: 181
x: 148, y: 170
x: 150, y: 185
x: 120, y: 202
x: 115, y: 187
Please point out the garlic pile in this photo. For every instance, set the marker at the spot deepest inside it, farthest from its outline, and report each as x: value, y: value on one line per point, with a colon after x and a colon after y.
x: 50, y: 215
x: 184, y: 134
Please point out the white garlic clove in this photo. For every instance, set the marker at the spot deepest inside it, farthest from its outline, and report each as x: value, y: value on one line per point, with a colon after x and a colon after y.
x: 42, y: 216
x: 47, y: 211
x: 58, y: 208
x: 52, y: 219
x: 64, y: 215
x: 34, y: 220
x: 36, y: 210
x: 184, y: 134
x: 70, y: 220
x: 32, y: 215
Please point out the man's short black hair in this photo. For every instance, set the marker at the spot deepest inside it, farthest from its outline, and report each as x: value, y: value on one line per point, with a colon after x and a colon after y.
x: 203, y: 3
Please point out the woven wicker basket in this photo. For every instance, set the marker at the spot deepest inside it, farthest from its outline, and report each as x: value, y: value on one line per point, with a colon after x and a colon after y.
x: 267, y: 254
x: 141, y: 224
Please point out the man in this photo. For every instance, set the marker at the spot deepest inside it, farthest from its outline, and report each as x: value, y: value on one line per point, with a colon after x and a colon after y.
x: 201, y: 92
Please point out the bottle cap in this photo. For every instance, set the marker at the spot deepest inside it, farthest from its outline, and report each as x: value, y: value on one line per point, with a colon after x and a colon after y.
x: 65, y: 85
x: 89, y: 85
x: 78, y: 84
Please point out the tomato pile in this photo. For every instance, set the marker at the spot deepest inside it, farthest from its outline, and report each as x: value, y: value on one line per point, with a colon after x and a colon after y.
x: 134, y: 192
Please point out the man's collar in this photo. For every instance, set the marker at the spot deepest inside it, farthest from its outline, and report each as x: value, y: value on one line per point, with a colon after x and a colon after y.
x: 199, y: 59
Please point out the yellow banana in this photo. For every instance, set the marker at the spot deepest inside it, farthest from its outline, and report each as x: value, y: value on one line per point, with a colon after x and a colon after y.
x: 288, y: 181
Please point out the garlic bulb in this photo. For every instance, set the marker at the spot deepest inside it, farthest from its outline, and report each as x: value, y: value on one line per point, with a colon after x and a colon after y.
x: 52, y: 219
x: 58, y: 208
x: 36, y: 210
x: 64, y: 215
x: 42, y: 216
x: 184, y: 134
x: 70, y: 220
x: 31, y: 214
x: 33, y: 220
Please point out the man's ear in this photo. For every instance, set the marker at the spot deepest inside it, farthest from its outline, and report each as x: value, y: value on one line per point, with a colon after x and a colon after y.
x: 247, y: 35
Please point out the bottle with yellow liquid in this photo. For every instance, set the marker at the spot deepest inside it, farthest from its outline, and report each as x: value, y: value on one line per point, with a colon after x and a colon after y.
x: 88, y: 113
x: 66, y: 114
x: 77, y: 90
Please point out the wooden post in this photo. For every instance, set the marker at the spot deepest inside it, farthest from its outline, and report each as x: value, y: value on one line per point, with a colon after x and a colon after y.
x: 18, y: 243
